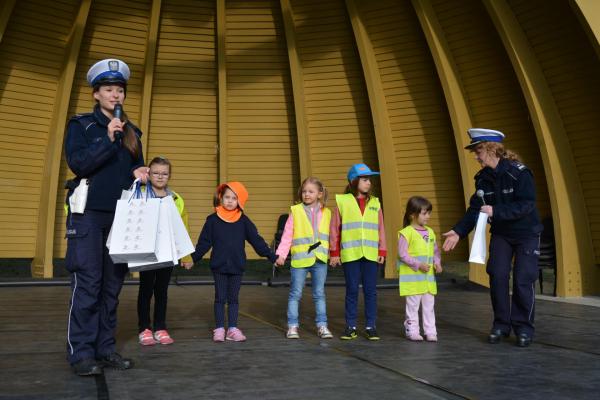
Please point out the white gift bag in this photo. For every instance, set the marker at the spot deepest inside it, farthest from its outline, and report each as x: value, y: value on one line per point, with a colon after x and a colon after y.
x: 182, y: 242
x: 125, y: 194
x: 479, y: 246
x: 134, y: 231
x: 165, y: 243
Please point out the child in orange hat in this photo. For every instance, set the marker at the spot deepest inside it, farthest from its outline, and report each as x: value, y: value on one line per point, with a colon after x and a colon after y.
x: 226, y: 231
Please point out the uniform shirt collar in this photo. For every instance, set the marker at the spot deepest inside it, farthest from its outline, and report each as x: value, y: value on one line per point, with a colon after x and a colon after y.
x: 99, y: 116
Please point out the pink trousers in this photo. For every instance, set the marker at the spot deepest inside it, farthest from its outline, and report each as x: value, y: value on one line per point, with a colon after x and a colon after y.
x: 411, y: 323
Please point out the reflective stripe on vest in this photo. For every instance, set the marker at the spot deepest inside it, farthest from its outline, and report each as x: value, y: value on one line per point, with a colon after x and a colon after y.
x: 304, y: 237
x: 413, y: 282
x: 360, y: 232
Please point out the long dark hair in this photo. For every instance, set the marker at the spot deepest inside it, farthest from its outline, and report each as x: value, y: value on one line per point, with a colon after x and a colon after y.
x: 130, y: 138
x: 352, y: 187
x: 414, y: 206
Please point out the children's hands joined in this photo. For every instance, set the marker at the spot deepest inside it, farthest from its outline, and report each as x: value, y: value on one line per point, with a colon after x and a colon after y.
x: 423, y: 267
x: 280, y: 261
x: 335, y: 261
x: 187, y: 265
x: 438, y: 268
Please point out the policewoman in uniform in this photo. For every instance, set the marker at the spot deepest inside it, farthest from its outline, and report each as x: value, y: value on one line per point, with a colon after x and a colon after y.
x: 107, y: 152
x: 508, y: 191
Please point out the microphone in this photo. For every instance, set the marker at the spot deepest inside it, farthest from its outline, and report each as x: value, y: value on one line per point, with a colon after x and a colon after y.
x: 118, y: 113
x: 480, y: 194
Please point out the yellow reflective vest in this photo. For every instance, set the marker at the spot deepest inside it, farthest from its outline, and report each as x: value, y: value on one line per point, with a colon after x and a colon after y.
x: 413, y: 282
x: 359, y: 232
x: 304, y: 237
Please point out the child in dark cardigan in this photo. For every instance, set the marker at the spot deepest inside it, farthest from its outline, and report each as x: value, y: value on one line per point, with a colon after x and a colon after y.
x: 226, y: 232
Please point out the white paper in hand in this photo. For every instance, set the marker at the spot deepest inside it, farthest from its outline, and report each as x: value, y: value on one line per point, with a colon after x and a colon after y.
x: 479, y: 246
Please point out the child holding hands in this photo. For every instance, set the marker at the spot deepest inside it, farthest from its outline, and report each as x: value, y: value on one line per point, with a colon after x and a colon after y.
x: 226, y: 231
x: 306, y: 232
x: 418, y: 258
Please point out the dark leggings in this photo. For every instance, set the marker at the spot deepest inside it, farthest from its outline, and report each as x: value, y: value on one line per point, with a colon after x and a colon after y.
x: 227, y: 290
x: 153, y: 282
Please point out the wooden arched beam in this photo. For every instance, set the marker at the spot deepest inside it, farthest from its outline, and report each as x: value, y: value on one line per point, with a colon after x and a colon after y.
x: 574, y: 250
x: 297, y: 89
x: 457, y: 106
x: 383, y: 137
x: 42, y: 265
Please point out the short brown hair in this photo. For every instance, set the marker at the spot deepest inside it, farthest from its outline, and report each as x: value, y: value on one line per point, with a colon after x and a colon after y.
x: 414, y: 206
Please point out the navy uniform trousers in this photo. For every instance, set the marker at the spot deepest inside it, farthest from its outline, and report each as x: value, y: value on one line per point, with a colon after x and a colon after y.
x: 95, y: 285
x: 518, y: 315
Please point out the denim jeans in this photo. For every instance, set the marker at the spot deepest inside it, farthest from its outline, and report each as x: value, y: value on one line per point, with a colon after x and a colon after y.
x: 356, y: 272
x: 318, y: 274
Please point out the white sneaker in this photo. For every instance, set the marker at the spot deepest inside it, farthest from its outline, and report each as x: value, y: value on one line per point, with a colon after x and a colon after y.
x: 324, y: 333
x: 292, y: 333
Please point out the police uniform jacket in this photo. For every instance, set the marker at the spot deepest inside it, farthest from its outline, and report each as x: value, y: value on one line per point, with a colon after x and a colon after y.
x: 108, y: 165
x: 510, y: 190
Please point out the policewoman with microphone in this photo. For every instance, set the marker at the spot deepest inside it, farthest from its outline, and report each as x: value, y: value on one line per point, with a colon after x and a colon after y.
x: 105, y: 154
x: 505, y: 191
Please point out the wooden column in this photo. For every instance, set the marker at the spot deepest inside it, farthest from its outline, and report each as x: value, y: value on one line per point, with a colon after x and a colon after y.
x: 457, y: 107
x: 574, y: 251
x: 588, y: 12
x: 298, y: 90
x: 42, y: 266
x: 383, y: 137
x: 222, y: 90
x: 150, y: 62
x: 5, y: 12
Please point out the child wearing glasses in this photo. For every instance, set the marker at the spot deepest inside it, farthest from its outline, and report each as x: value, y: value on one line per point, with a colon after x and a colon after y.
x: 156, y: 282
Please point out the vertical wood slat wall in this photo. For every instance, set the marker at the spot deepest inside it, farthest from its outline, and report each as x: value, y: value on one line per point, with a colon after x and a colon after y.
x: 492, y: 89
x: 261, y: 130
x: 419, y: 120
x: 33, y: 46
x: 557, y: 40
x: 183, y: 123
x: 338, y: 117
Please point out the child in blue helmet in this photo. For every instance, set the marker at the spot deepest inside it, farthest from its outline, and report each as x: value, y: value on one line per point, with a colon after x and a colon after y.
x: 357, y: 241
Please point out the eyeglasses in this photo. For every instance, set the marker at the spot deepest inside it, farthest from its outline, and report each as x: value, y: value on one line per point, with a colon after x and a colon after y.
x: 160, y: 174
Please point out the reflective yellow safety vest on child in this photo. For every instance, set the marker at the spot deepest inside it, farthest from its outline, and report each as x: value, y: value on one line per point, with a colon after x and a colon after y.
x: 360, y: 232
x: 304, y: 237
x: 413, y: 282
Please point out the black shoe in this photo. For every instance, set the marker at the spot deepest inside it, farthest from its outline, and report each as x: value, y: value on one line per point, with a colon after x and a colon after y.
x: 523, y: 340
x: 115, y: 361
x: 87, y: 367
x: 349, y: 333
x: 496, y: 335
x: 371, y: 334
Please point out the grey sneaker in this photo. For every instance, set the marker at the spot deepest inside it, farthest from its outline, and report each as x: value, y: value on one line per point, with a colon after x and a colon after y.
x: 324, y: 333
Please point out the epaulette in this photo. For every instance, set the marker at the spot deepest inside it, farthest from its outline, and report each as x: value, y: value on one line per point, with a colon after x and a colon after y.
x: 80, y: 116
x: 518, y: 165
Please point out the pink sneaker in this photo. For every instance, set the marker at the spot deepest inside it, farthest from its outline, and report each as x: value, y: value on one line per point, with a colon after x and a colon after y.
x: 146, y: 338
x: 219, y: 335
x: 415, y: 337
x: 431, y: 338
x: 235, y: 334
x: 163, y: 337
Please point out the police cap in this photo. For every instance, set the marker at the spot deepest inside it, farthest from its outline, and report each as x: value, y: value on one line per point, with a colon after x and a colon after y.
x: 108, y: 71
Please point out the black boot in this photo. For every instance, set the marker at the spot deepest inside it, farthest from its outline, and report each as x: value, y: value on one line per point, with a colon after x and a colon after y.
x: 87, y: 367
x: 523, y: 340
x: 496, y: 335
x: 115, y: 361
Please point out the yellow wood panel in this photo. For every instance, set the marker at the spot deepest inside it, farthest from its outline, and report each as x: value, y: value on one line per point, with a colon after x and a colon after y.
x: 183, y: 122
x: 261, y: 145
x: 31, y: 57
x: 103, y: 31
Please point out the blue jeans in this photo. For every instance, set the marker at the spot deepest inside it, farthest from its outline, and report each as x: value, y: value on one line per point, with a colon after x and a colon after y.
x: 361, y: 271
x: 318, y: 273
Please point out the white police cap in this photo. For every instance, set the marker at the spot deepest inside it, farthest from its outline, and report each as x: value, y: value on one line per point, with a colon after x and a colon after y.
x: 110, y: 70
x: 481, y: 135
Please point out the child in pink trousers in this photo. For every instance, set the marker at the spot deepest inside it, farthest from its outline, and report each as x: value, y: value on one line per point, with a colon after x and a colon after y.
x: 418, y: 258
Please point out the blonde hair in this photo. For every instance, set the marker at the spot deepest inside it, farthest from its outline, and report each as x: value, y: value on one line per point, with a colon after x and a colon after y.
x: 317, y: 182
x: 498, y: 149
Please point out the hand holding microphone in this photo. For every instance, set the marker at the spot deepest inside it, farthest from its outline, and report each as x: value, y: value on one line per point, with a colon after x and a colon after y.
x: 116, y: 123
x: 489, y: 210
